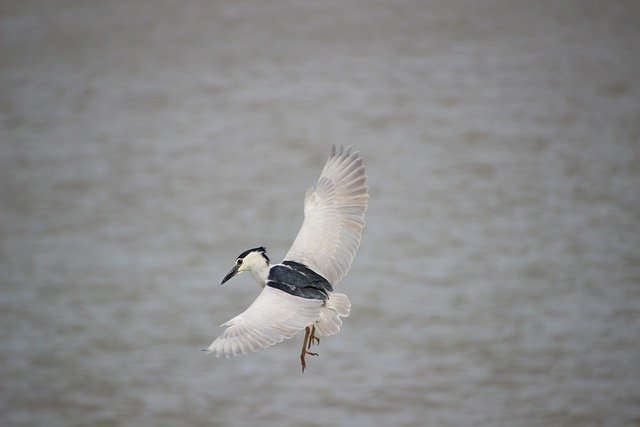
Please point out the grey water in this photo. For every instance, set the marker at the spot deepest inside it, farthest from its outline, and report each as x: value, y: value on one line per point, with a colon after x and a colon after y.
x: 145, y: 144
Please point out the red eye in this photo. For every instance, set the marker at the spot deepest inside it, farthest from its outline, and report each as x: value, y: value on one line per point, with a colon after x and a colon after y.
x: 239, y: 262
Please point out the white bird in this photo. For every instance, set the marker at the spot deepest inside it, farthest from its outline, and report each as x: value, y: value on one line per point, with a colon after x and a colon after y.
x: 298, y: 293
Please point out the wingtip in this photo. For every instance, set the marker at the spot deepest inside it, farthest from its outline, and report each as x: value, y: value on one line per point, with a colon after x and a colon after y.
x: 343, y: 153
x: 347, y: 151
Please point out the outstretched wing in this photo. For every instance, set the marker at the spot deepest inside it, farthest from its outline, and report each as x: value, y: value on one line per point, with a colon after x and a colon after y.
x: 274, y: 316
x: 333, y: 217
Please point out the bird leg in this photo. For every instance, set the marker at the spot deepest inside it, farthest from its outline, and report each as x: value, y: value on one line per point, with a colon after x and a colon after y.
x: 304, y: 352
x: 313, y: 337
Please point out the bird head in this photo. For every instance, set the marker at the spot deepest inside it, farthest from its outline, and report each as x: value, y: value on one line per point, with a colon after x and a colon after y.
x: 254, y: 260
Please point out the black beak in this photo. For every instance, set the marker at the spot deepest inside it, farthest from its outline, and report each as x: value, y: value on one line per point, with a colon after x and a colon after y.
x: 229, y: 275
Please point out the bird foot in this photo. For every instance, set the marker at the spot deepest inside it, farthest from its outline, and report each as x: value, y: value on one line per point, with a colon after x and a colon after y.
x: 302, y: 358
x: 306, y: 343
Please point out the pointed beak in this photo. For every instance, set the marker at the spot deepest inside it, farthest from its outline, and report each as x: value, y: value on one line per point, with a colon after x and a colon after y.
x: 229, y: 275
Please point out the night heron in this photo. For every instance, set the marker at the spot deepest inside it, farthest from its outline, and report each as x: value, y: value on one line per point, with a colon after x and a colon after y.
x: 298, y: 293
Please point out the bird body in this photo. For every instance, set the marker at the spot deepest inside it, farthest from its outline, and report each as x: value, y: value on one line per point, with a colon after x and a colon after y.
x: 298, y: 292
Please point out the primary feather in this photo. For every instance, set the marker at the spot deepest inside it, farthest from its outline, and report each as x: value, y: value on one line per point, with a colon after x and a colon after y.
x: 274, y: 316
x: 333, y: 217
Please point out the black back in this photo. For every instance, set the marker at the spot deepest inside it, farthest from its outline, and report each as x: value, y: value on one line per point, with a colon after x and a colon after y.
x: 299, y: 280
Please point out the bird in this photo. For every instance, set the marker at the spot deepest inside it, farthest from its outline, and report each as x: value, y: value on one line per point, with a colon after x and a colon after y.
x: 297, y: 293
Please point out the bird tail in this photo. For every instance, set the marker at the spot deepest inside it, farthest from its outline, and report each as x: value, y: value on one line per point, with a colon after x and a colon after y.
x: 337, y: 306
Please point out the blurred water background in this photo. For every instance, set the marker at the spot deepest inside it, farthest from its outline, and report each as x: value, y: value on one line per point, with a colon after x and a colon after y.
x: 145, y: 144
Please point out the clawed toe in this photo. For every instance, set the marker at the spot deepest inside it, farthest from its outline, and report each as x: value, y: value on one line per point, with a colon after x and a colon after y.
x: 313, y: 337
x: 306, y: 344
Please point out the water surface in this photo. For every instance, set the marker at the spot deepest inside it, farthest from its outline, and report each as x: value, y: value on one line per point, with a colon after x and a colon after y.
x: 144, y: 145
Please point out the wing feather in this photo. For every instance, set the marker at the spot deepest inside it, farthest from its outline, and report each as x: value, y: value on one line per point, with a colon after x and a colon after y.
x: 333, y: 217
x: 273, y: 317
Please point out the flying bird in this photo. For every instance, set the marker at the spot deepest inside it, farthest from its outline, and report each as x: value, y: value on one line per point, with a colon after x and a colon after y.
x: 298, y: 293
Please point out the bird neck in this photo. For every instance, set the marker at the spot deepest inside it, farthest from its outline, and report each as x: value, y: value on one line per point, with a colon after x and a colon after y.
x: 260, y: 272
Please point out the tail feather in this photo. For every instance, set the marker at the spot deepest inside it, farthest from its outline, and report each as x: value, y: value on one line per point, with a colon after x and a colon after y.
x: 329, y: 322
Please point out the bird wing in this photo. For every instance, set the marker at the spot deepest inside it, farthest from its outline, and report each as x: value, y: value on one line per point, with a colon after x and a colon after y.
x: 333, y: 217
x: 274, y: 316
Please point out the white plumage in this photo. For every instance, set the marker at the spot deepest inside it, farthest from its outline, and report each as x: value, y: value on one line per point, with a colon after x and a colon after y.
x: 333, y: 217
x: 326, y: 243
x: 273, y: 317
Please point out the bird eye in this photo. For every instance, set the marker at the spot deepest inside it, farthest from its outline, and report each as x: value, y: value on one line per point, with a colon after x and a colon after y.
x: 239, y: 262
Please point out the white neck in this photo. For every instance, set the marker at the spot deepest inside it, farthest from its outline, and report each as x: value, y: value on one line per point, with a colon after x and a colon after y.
x: 260, y: 274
